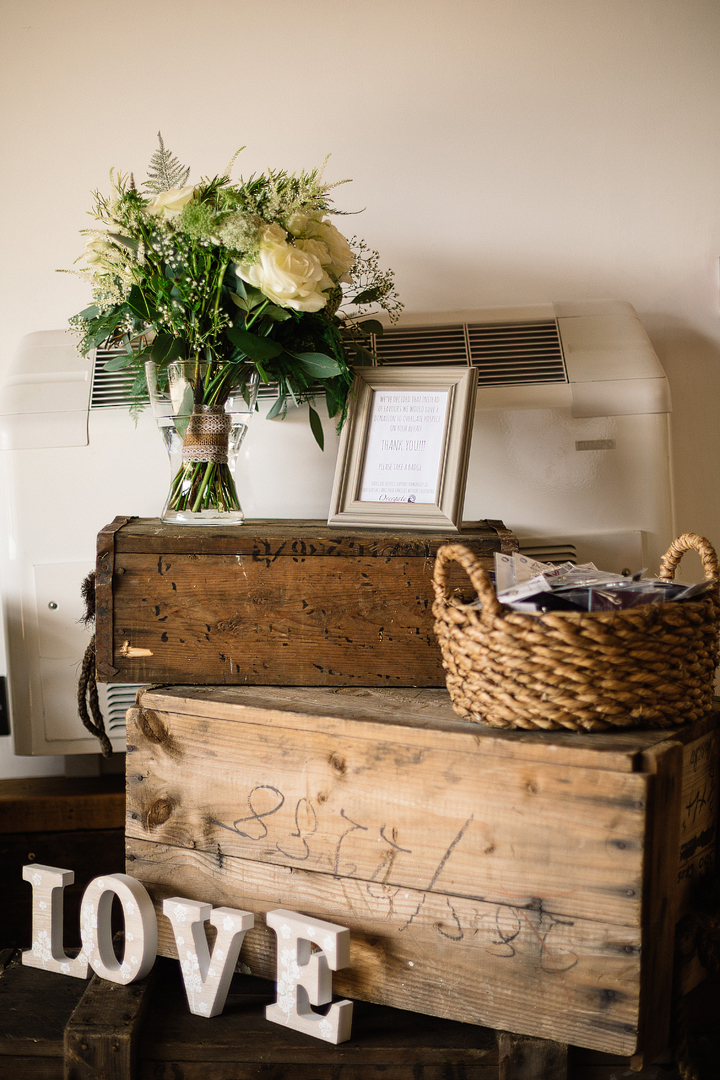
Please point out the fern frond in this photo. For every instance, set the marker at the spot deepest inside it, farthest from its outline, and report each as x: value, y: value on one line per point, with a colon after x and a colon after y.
x: 165, y: 171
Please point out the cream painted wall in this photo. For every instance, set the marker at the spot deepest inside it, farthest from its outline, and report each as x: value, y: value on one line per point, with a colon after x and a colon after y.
x: 502, y: 151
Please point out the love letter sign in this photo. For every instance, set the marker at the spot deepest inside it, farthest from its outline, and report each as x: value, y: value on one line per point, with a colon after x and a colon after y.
x: 307, y: 949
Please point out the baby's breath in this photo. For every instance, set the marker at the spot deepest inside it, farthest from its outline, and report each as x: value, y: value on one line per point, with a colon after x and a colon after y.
x: 170, y: 268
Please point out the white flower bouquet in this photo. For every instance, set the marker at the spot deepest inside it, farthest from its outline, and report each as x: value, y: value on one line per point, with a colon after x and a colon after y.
x: 242, y: 279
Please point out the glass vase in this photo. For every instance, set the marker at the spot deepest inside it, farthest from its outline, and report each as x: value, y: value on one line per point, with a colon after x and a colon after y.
x: 203, y: 411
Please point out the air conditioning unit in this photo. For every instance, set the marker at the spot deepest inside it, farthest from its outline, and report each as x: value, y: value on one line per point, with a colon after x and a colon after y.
x: 570, y: 448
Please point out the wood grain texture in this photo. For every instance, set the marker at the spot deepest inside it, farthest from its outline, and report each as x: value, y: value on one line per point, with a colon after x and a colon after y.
x: 660, y: 912
x: 273, y: 537
x: 522, y: 1058
x: 61, y: 803
x: 449, y: 956
x: 91, y: 852
x: 398, y: 812
x: 699, y: 814
x: 101, y: 1035
x: 35, y: 1006
x: 386, y: 1044
x: 272, y: 603
x: 526, y: 882
x: 426, y: 712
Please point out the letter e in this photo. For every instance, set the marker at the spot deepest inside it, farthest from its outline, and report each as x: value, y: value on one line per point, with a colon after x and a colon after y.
x: 303, y: 976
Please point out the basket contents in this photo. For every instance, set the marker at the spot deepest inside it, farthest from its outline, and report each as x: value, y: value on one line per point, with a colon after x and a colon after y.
x: 525, y: 584
x: 645, y: 661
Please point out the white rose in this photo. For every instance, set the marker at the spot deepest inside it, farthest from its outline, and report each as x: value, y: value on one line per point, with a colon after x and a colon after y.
x: 287, y: 275
x: 169, y: 203
x: 272, y: 235
x: 341, y: 259
x: 316, y: 248
x: 297, y: 223
x: 100, y: 251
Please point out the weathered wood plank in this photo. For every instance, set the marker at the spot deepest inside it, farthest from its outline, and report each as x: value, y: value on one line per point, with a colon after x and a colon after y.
x: 447, y: 820
x: 660, y: 899
x: 286, y: 537
x: 273, y: 603
x: 522, y: 1058
x: 195, y: 1070
x: 35, y: 1068
x: 88, y: 853
x: 315, y: 621
x: 101, y: 1036
x: 61, y: 803
x: 383, y: 1038
x: 35, y: 1007
x: 426, y: 712
x: 573, y: 980
x: 699, y: 812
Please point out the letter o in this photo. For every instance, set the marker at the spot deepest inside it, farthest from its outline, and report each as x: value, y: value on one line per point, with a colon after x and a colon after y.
x: 140, y: 928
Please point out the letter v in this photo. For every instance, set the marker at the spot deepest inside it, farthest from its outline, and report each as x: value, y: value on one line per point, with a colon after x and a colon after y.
x: 207, y: 978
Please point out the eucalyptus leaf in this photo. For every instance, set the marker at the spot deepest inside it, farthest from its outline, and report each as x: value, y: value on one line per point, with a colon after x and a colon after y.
x: 255, y: 347
x: 118, y: 362
x: 319, y: 365
x: 91, y: 312
x: 280, y: 407
x: 166, y: 347
x: 137, y: 302
x: 316, y: 427
x: 368, y: 296
x: 371, y: 326
x: 363, y: 358
x: 103, y: 327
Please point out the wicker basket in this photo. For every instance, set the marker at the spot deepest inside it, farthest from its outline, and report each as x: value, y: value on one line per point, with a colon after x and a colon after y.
x: 650, y: 666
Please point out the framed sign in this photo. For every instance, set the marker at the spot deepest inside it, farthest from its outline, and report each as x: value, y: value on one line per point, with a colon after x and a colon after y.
x: 404, y: 448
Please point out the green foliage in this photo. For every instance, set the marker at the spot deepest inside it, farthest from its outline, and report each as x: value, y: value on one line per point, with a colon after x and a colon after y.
x: 171, y: 278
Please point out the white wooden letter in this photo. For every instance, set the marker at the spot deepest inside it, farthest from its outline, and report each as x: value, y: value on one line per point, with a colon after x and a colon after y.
x: 140, y: 928
x: 207, y: 978
x: 47, y: 951
x: 303, y: 976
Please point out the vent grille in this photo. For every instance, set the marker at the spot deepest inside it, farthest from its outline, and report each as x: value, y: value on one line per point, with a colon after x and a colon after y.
x: 422, y: 345
x: 115, y: 700
x: 559, y: 552
x: 111, y: 389
x: 507, y: 354
x: 504, y: 354
x: 520, y: 353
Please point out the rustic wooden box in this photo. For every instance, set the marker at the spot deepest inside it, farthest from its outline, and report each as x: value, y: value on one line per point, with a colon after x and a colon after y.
x: 272, y: 602
x: 525, y: 881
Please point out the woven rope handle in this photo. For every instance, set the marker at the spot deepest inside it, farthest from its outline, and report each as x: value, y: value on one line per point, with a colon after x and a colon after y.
x: 690, y: 542
x: 477, y: 573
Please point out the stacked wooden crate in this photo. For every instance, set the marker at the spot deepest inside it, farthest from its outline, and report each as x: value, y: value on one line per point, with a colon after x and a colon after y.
x: 530, y: 882
x: 522, y: 881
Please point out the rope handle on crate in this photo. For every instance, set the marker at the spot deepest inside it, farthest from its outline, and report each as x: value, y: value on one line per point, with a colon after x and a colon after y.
x: 479, y: 578
x: 690, y: 542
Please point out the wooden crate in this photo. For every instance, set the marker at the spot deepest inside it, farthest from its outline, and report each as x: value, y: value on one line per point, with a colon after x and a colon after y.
x: 272, y: 602
x: 525, y: 881
x: 53, y: 1027
x: 73, y: 822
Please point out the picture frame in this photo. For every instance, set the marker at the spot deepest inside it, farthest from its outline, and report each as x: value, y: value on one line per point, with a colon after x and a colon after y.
x: 404, y: 448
